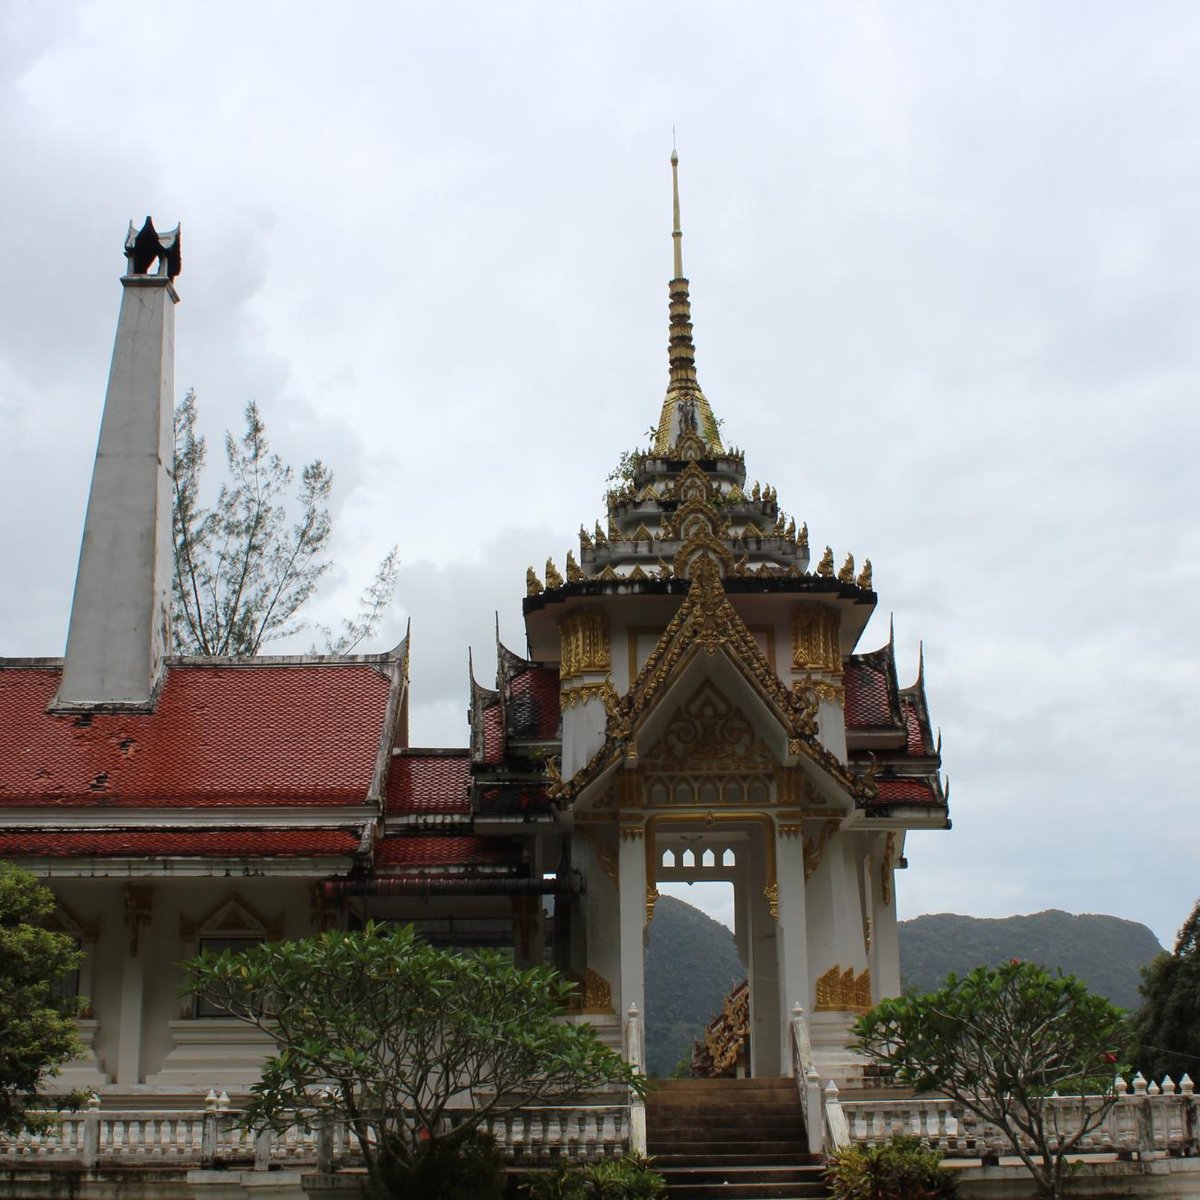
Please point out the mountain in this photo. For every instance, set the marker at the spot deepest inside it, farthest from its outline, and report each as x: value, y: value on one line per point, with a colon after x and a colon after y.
x: 1107, y: 953
x: 691, y: 962
x: 691, y: 965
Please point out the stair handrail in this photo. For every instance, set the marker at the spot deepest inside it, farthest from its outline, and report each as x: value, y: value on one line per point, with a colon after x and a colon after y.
x: 808, y: 1081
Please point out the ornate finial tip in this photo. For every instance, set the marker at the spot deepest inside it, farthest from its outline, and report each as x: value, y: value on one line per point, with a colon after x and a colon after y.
x: 674, y: 158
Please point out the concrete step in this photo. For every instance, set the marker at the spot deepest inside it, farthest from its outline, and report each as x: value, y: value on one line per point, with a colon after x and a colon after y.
x: 724, y: 1148
x: 790, y: 1189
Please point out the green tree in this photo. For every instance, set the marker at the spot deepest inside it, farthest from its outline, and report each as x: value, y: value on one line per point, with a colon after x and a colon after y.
x: 1000, y: 1041
x: 901, y: 1169
x: 243, y: 568
x: 381, y: 1031
x: 1166, y: 1029
x: 36, y: 1034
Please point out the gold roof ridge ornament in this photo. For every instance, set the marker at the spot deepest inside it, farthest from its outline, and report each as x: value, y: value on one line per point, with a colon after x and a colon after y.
x: 685, y: 409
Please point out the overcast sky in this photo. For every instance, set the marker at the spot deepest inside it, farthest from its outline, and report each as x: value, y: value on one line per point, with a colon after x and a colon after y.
x: 945, y: 286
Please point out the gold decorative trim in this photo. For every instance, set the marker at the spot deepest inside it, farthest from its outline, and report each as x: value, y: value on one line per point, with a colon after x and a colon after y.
x: 816, y: 639
x: 230, y: 915
x: 533, y: 585
x: 825, y: 566
x: 843, y: 991
x: 604, y: 692
x: 607, y: 857
x: 553, y: 578
x: 771, y: 892
x: 652, y: 895
x: 814, y: 847
x: 846, y: 574
x: 885, y: 868
x: 593, y: 993
x: 584, y: 642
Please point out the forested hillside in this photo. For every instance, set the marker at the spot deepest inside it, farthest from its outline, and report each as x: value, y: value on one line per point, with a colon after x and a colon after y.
x: 1105, y: 952
x: 691, y: 962
x: 691, y: 965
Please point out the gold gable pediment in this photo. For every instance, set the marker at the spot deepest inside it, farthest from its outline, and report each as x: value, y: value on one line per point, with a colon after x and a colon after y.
x: 708, y: 733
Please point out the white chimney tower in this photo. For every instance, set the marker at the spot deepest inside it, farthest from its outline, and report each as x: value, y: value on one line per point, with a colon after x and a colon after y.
x: 118, y: 633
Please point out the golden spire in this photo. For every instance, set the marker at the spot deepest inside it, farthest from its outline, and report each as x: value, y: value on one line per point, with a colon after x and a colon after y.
x: 685, y: 406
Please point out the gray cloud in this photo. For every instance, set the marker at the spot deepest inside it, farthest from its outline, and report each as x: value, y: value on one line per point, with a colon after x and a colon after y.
x: 944, y: 281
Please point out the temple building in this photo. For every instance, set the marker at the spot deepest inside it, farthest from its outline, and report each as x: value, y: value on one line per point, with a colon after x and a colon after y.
x: 691, y: 705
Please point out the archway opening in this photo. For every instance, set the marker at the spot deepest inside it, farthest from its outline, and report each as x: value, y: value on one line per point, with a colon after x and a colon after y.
x: 692, y: 965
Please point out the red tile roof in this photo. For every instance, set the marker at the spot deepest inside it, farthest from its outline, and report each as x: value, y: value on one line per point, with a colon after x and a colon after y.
x: 433, y: 783
x: 225, y: 843
x: 905, y: 791
x: 441, y: 852
x: 493, y: 735
x: 541, y: 685
x: 916, y: 735
x: 221, y: 735
x: 868, y: 703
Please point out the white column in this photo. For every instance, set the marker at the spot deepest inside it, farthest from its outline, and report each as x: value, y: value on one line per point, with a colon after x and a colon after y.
x: 118, y: 629
x: 763, y: 966
x: 885, y: 974
x: 133, y: 985
x: 632, y: 892
x: 794, y: 980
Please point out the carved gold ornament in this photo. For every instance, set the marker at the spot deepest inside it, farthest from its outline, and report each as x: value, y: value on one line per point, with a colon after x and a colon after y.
x: 725, y: 1037
x: 843, y: 991
x: 593, y: 993
x: 816, y: 639
x: 814, y: 847
x: 533, y: 585
x: 885, y: 868
x: 574, y: 573
x: 846, y: 574
x: 652, y: 895
x: 605, y: 853
x: 571, y: 697
x: 553, y: 578
x: 864, y: 576
x: 584, y: 642
x: 825, y: 566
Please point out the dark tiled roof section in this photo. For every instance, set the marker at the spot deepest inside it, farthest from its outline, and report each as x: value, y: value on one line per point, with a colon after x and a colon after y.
x: 231, y: 843
x: 533, y: 705
x: 916, y: 735
x: 429, y: 783
x: 513, y: 799
x: 418, y: 852
x: 304, y: 734
x: 493, y: 734
x: 872, y: 700
x: 905, y: 791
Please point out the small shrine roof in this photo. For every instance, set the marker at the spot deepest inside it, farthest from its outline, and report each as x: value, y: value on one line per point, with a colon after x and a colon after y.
x: 242, y: 733
x: 872, y: 693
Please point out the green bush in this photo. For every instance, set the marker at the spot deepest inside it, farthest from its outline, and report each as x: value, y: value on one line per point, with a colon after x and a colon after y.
x: 628, y: 1178
x: 902, y: 1169
x: 470, y: 1168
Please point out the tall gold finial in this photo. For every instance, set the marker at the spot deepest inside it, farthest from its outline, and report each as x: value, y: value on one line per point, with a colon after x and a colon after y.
x: 677, y: 231
x: 685, y: 407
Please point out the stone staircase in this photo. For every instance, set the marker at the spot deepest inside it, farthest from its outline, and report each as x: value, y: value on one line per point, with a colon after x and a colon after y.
x: 736, y: 1139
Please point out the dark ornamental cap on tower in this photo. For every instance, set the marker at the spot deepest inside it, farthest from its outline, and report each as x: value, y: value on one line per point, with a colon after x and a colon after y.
x: 146, y: 246
x: 685, y: 407
x: 117, y: 637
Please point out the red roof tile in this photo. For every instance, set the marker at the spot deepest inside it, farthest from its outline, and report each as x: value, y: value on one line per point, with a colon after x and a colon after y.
x: 429, y: 783
x: 262, y: 734
x: 493, y: 735
x: 904, y: 791
x: 541, y: 686
x: 225, y: 843
x: 441, y: 852
x: 868, y: 704
x: 916, y: 735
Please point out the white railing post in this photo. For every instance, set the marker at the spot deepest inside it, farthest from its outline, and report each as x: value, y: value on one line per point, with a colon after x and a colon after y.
x: 633, y: 1056
x: 835, y: 1120
x: 91, y: 1133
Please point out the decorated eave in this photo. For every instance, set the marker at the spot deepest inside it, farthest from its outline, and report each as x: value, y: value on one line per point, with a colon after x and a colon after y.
x: 239, y: 761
